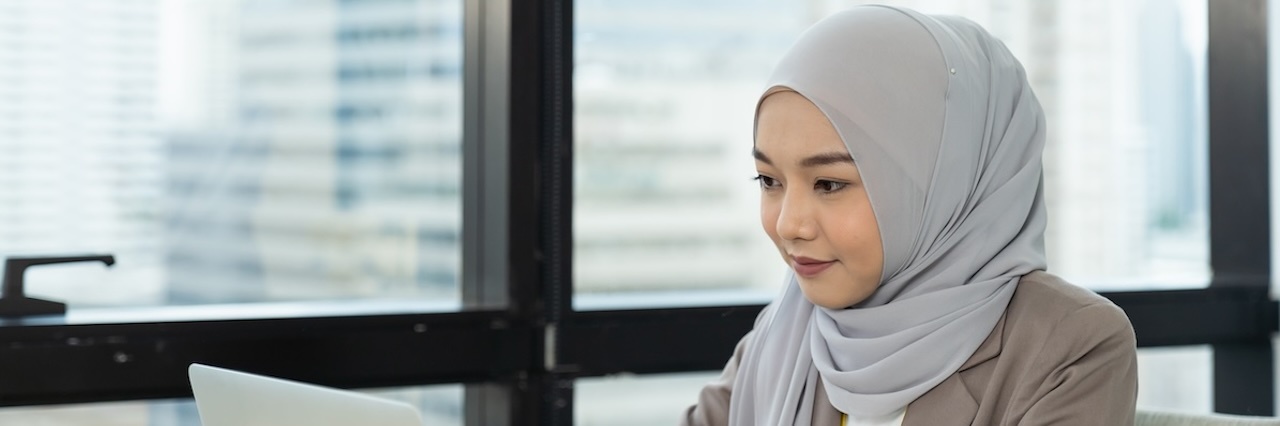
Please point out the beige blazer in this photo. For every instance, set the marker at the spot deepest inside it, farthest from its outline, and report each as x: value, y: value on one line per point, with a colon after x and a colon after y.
x: 1060, y: 355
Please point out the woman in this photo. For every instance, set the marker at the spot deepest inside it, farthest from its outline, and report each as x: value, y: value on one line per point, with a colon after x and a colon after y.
x: 899, y: 160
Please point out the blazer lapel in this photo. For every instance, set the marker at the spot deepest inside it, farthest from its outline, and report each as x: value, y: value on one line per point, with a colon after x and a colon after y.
x: 989, y: 348
x: 953, y: 402
x: 947, y: 404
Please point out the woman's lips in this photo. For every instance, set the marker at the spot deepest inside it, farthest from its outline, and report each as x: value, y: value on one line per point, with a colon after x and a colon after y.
x: 807, y: 267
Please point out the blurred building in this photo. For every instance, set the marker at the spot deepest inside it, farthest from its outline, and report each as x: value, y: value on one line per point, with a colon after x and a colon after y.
x: 338, y: 174
x: 265, y: 158
x: 664, y: 100
x: 80, y: 161
x: 664, y: 95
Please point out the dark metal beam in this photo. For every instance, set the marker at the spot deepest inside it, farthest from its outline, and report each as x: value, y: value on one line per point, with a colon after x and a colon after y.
x: 555, y: 198
x: 1203, y: 316
x: 110, y: 362
x: 693, y: 339
x: 654, y: 341
x: 541, y: 126
x: 1239, y: 193
x: 1243, y: 376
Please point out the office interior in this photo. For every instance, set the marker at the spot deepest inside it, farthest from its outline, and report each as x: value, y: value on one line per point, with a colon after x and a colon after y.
x: 511, y: 212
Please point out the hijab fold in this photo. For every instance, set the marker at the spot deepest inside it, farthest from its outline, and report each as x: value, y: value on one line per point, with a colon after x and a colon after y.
x: 947, y: 136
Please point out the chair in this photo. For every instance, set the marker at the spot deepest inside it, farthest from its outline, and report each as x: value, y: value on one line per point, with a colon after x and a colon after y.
x: 1161, y: 418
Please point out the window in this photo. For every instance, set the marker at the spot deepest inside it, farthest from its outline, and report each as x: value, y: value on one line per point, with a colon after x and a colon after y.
x: 664, y: 96
x: 232, y: 152
x: 637, y: 400
x: 357, y: 171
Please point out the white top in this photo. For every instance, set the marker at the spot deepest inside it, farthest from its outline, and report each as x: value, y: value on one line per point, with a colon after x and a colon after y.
x: 891, y: 419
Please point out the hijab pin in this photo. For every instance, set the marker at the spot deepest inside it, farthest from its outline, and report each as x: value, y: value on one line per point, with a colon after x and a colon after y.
x: 953, y: 71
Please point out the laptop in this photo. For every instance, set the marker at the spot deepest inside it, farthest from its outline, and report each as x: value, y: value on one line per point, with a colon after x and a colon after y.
x: 233, y: 398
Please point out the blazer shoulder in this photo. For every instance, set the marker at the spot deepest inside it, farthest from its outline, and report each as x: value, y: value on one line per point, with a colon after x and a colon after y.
x: 1072, y: 355
x: 1045, y: 303
x: 1061, y: 354
x: 1050, y: 297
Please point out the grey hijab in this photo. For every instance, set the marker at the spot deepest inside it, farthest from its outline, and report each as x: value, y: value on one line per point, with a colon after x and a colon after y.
x: 948, y: 137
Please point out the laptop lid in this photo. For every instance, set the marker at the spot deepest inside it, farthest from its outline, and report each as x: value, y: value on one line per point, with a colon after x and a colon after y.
x: 233, y: 398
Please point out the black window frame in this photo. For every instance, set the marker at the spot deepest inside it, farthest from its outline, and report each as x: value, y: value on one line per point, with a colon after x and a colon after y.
x: 519, y: 345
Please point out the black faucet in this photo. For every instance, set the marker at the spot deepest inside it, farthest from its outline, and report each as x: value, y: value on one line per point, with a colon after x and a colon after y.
x: 15, y: 303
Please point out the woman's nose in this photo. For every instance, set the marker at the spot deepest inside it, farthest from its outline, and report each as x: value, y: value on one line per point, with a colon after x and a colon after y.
x: 795, y: 219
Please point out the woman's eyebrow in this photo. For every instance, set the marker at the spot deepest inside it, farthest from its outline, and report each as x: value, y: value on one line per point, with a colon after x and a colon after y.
x: 760, y: 156
x: 827, y: 159
x: 813, y: 161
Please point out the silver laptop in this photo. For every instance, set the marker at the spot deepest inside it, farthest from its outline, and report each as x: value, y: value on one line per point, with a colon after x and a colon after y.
x: 232, y: 398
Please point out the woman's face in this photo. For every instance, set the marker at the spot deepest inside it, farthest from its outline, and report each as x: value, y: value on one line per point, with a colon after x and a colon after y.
x: 813, y: 203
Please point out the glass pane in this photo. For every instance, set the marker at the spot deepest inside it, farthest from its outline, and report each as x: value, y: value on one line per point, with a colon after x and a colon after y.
x: 439, y: 405
x: 664, y: 113
x: 1169, y: 379
x: 658, y: 399
x: 232, y: 151
x: 1176, y: 378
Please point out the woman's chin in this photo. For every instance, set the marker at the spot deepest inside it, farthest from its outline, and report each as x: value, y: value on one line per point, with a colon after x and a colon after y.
x: 830, y: 297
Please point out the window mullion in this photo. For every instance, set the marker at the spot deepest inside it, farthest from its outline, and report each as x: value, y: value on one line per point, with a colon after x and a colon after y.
x: 1239, y: 204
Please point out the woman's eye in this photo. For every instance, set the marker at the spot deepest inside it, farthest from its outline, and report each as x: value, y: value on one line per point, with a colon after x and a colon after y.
x: 766, y: 182
x: 829, y: 186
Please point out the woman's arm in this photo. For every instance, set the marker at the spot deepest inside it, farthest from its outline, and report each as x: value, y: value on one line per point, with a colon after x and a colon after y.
x: 1093, y: 377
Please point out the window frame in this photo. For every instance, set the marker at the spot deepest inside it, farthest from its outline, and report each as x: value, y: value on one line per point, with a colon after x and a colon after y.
x: 519, y: 345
